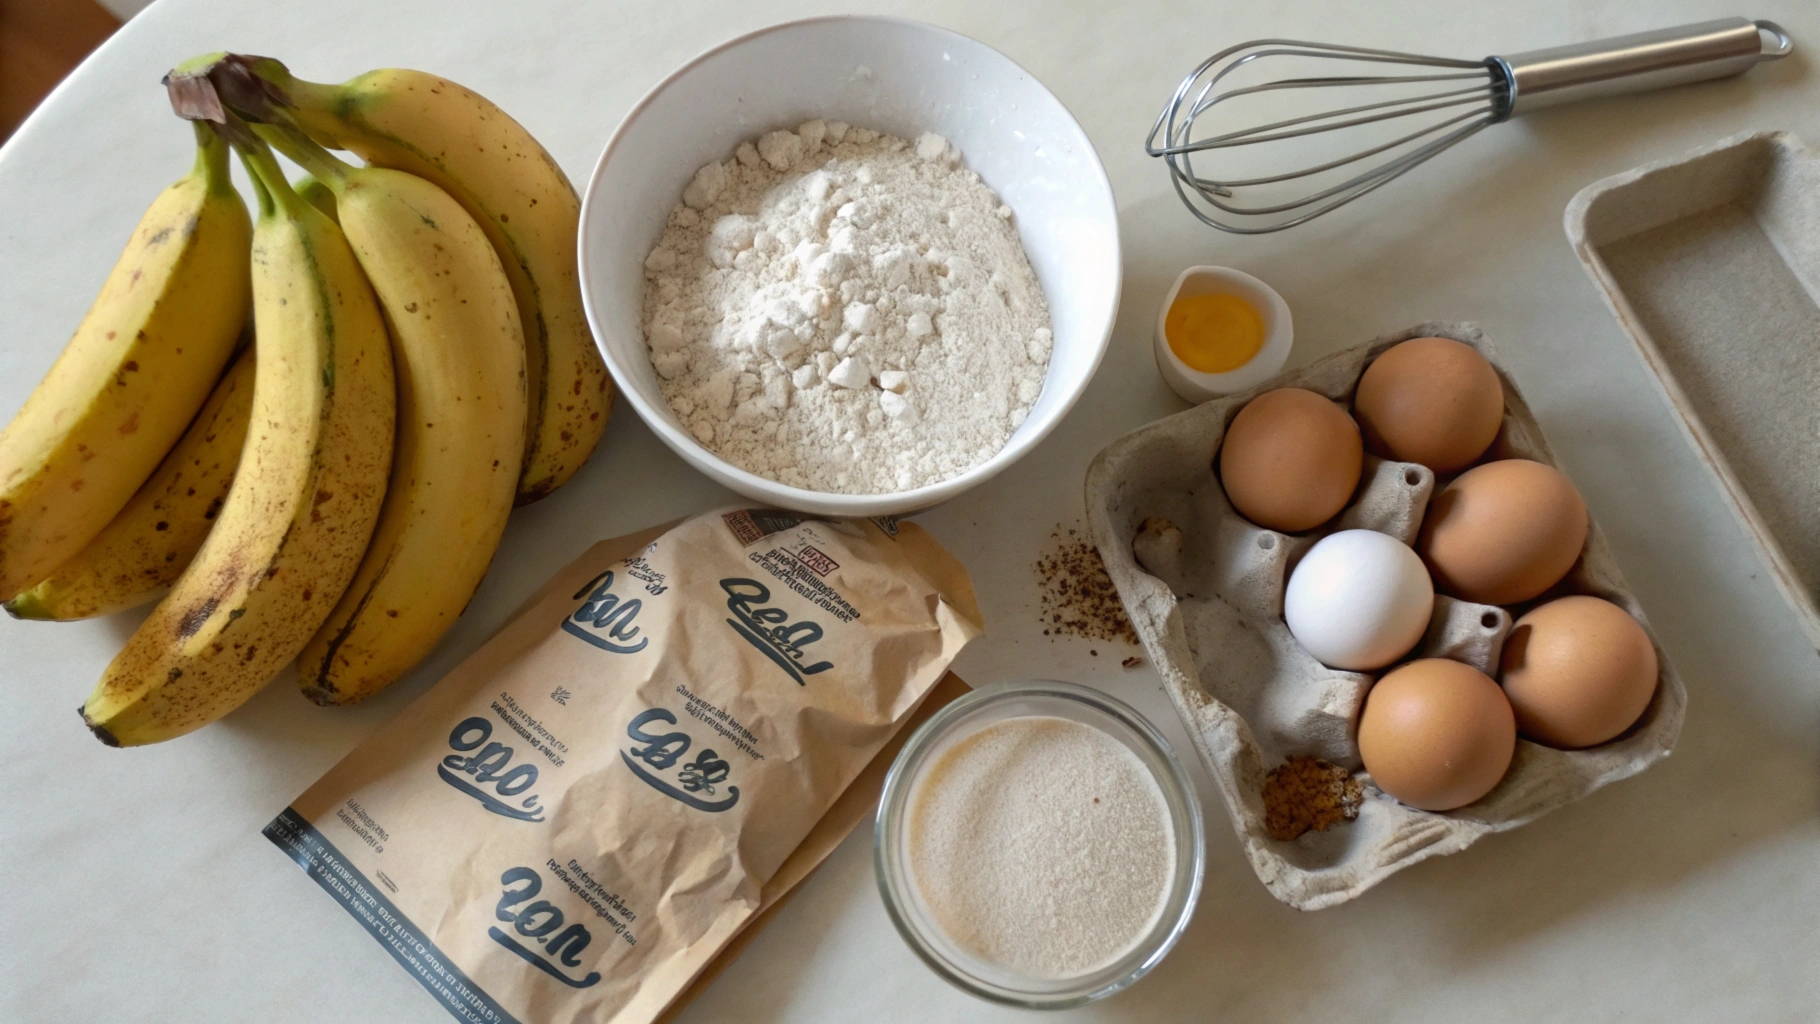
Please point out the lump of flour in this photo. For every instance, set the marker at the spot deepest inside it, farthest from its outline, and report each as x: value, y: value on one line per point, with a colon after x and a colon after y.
x: 845, y: 311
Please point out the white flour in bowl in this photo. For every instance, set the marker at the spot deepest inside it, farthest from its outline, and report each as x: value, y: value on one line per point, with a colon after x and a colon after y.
x: 1042, y: 845
x: 845, y: 311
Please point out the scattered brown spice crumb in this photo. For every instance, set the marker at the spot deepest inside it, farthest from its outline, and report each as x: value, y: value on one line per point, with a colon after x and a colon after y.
x: 1078, y: 598
x: 1132, y: 662
x: 1307, y: 793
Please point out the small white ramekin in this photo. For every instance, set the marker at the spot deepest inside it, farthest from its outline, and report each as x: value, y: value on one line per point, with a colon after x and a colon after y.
x: 1279, y: 334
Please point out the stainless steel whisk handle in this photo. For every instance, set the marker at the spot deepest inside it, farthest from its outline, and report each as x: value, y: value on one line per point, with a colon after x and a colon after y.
x: 1635, y: 63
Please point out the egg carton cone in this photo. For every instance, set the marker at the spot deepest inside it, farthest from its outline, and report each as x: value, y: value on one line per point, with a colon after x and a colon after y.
x: 1204, y: 588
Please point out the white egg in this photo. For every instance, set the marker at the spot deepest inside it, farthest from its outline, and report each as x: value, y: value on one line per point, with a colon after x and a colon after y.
x: 1359, y: 600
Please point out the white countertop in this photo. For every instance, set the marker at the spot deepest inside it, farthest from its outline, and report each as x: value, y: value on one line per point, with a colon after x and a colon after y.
x: 138, y: 888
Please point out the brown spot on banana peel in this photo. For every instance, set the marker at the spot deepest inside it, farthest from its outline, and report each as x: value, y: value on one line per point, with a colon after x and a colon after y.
x: 193, y: 620
x: 534, y: 492
x: 316, y: 684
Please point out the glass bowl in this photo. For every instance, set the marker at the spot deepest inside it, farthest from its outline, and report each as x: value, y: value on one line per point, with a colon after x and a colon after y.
x: 963, y: 718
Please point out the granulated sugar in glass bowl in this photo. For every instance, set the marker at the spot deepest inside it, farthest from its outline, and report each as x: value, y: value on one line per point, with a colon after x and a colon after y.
x: 894, y: 76
x: 1042, y: 845
x: 1038, y: 844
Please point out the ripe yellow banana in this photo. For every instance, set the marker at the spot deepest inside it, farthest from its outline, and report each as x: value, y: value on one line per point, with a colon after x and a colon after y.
x: 459, y: 350
x: 149, y: 544
x: 132, y: 378
x: 303, y: 504
x: 458, y: 140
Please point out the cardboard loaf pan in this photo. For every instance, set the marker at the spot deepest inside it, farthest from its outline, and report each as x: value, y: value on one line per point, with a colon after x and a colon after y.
x: 1711, y: 262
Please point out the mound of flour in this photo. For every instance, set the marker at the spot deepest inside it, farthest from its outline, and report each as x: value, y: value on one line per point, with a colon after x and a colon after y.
x: 845, y: 311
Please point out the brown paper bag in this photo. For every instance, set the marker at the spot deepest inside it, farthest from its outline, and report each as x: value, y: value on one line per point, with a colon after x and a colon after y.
x: 574, y: 822
x: 857, y: 804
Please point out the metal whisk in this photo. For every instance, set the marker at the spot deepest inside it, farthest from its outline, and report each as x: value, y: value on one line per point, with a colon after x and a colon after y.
x: 1444, y: 101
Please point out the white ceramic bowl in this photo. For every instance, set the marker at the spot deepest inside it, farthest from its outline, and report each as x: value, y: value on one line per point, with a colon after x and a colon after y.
x: 1279, y: 334
x: 896, y: 76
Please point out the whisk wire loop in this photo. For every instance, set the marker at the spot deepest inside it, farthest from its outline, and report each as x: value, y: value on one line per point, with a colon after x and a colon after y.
x: 1346, y: 191
x: 1343, y: 161
x: 1451, y: 99
x: 1435, y: 87
x: 1250, y: 136
x: 1314, y: 50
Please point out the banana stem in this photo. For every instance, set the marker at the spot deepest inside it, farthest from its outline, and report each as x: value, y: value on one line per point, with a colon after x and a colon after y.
x: 291, y: 140
x: 311, y: 106
x: 211, y: 157
x: 223, y: 89
x: 314, y: 106
x: 269, y: 180
x: 267, y: 205
x: 265, y: 83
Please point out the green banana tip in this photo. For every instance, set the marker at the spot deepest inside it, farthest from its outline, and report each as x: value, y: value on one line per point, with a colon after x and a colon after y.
x: 26, y: 606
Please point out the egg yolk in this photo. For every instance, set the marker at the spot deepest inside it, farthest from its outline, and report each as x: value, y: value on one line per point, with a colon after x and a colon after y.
x: 1213, y: 333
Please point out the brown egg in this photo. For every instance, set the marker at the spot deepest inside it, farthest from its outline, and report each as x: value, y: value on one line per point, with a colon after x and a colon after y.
x: 1578, y: 671
x: 1503, y: 532
x: 1430, y: 400
x: 1291, y: 460
x: 1436, y: 734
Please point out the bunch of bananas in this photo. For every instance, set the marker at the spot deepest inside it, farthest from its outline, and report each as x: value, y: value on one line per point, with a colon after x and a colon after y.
x: 332, y: 492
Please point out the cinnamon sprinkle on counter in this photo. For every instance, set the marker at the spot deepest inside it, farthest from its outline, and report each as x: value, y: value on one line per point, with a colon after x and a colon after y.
x: 1078, y: 598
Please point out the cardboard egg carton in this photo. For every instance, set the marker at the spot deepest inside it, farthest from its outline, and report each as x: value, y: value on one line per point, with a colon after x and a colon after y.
x: 1204, y: 588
